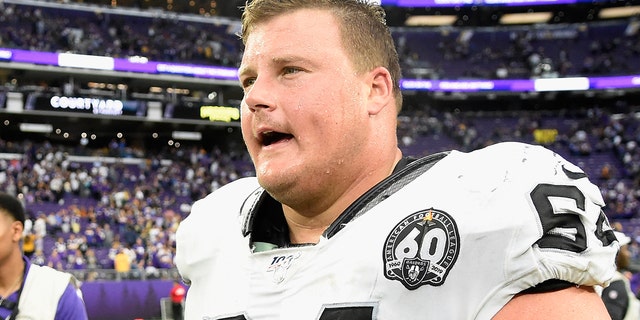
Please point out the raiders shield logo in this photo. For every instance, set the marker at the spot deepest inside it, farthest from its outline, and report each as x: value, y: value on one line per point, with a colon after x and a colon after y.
x: 421, y: 249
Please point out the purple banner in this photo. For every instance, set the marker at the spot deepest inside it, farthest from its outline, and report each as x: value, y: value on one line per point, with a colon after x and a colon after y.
x: 467, y: 85
x: 198, y: 71
x: 134, y: 64
x: 518, y: 85
x: 142, y: 65
x: 46, y: 58
x: 615, y: 82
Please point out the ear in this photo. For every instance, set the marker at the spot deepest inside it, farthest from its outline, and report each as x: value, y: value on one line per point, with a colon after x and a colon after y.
x: 16, y: 231
x: 381, y: 90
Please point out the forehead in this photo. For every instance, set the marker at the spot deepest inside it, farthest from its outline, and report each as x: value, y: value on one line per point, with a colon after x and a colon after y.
x: 304, y: 31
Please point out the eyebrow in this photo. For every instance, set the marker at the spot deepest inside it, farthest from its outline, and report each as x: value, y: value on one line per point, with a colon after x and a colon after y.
x: 291, y: 59
x: 287, y: 59
x: 276, y: 61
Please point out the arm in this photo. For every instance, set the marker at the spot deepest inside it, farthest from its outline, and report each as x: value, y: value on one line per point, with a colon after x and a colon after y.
x: 579, y: 303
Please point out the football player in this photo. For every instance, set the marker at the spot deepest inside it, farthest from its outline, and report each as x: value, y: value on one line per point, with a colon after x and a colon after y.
x: 339, y: 225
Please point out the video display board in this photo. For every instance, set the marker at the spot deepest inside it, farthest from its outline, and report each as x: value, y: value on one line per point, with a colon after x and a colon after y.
x: 84, y: 104
x: 202, y: 112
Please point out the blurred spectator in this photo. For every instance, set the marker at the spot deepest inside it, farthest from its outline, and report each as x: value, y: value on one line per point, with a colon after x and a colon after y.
x: 620, y: 301
x: 177, y: 295
x: 122, y: 264
x: 29, y: 244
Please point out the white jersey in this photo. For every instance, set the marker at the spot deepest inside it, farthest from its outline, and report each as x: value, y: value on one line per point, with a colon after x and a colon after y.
x: 450, y: 236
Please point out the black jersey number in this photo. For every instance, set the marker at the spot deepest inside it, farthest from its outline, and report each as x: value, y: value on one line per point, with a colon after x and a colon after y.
x: 352, y: 312
x: 560, y: 230
x: 564, y: 230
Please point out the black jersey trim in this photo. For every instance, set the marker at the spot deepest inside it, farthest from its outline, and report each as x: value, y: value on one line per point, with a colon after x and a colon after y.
x: 549, y: 286
x: 263, y: 218
x: 407, y: 170
x: 262, y: 210
x: 250, y: 204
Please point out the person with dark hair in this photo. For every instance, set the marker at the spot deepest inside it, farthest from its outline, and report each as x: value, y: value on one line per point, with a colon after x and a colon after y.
x: 337, y: 224
x: 618, y: 297
x: 29, y: 291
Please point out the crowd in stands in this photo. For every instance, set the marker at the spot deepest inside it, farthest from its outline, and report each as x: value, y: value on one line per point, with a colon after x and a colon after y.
x: 595, y: 48
x: 521, y: 52
x: 99, y: 33
x: 90, y: 214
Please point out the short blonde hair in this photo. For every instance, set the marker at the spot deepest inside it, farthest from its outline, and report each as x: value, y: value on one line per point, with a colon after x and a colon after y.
x: 365, y: 34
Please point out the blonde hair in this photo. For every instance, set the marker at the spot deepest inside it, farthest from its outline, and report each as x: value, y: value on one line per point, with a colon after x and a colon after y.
x: 365, y: 35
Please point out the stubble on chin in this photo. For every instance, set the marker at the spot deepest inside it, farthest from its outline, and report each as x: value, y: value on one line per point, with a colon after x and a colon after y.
x: 284, y: 185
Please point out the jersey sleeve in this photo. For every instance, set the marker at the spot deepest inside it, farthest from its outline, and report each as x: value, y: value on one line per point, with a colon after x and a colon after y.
x: 213, y: 229
x: 555, y: 226
x: 564, y: 233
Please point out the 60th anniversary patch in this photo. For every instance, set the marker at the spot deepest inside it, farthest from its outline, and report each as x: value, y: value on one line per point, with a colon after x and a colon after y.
x: 421, y: 249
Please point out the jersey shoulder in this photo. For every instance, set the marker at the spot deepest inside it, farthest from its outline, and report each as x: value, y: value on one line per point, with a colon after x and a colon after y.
x: 521, y: 158
x: 521, y: 165
x: 228, y: 199
x: 214, y: 220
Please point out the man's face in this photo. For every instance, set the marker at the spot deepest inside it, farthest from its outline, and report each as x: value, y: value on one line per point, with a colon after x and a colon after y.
x: 10, y: 233
x: 303, y: 111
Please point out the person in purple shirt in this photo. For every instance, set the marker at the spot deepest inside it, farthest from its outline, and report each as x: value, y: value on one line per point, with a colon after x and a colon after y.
x: 29, y: 291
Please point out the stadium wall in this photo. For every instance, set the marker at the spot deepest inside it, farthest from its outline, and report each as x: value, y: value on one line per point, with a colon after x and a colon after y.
x: 124, y: 300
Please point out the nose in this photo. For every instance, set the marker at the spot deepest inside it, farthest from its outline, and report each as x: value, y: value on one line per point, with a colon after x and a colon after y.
x: 258, y: 96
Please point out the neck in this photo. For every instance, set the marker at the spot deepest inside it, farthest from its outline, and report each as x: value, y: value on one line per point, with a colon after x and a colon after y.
x: 11, y: 276
x: 308, y: 225
x: 308, y: 229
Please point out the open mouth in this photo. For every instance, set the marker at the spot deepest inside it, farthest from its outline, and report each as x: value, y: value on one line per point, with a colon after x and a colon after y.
x: 271, y: 137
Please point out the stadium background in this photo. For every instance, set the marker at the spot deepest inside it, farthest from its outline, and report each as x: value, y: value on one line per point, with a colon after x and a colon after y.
x: 116, y: 115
